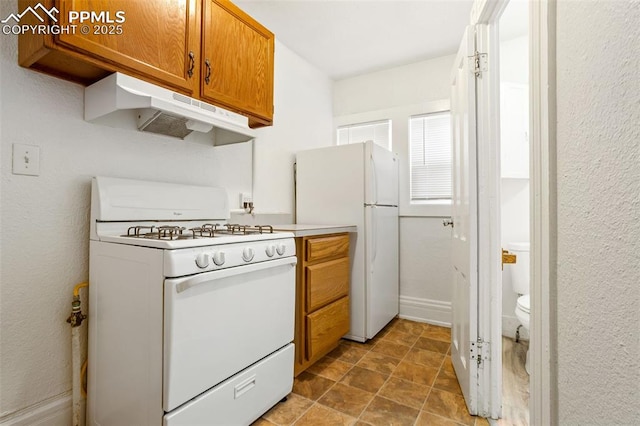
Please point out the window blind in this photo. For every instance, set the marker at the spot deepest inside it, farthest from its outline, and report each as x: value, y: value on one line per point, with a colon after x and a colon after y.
x: 377, y: 131
x: 430, y: 156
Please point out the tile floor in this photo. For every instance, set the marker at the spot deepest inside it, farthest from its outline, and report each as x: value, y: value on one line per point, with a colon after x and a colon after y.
x: 403, y: 376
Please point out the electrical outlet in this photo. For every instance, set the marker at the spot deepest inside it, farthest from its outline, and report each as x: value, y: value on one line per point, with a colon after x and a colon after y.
x: 245, y: 197
x: 26, y: 160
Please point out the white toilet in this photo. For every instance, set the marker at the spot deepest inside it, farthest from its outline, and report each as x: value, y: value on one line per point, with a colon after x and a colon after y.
x: 520, y: 284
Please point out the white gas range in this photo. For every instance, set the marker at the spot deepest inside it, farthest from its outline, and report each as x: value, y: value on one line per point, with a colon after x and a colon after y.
x: 190, y: 320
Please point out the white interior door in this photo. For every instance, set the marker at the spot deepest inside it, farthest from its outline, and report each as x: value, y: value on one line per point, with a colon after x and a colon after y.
x: 464, y: 213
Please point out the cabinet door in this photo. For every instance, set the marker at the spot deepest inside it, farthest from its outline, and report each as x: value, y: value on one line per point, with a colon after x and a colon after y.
x: 156, y: 38
x: 237, y: 51
x: 326, y: 326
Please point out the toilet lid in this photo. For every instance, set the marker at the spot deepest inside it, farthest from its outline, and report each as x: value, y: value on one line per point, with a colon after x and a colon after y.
x: 523, y: 303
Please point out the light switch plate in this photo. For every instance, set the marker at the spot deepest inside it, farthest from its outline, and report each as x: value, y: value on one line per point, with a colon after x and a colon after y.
x: 26, y: 159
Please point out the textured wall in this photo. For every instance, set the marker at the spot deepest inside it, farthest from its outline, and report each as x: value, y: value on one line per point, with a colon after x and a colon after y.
x: 45, y: 219
x: 598, y: 154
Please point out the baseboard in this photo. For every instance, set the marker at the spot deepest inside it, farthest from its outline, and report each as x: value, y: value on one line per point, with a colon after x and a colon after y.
x: 425, y: 310
x: 510, y: 325
x: 55, y: 411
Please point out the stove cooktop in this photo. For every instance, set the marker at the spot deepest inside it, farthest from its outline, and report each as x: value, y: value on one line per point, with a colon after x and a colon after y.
x: 207, y: 230
x: 176, y: 236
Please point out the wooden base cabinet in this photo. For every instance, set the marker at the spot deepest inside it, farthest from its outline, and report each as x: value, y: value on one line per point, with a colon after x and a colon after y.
x: 322, y: 296
x: 206, y: 49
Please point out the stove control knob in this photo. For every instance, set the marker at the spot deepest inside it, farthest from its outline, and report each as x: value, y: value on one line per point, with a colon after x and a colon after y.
x: 281, y: 249
x: 202, y: 260
x: 270, y: 250
x: 218, y: 258
x: 247, y: 254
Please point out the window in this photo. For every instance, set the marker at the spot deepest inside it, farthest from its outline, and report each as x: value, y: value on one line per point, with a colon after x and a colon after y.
x: 377, y: 131
x: 430, y: 157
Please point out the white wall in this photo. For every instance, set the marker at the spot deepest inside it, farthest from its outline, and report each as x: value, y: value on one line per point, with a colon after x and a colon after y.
x: 397, y: 93
x: 598, y: 210
x: 45, y: 219
x: 514, y: 59
x: 406, y: 85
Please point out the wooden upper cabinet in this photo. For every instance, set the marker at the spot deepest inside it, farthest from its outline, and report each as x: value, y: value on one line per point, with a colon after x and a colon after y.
x: 238, y: 57
x: 156, y: 39
x: 172, y: 43
x: 152, y: 43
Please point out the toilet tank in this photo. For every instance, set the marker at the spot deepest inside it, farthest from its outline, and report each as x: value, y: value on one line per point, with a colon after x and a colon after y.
x: 519, y: 270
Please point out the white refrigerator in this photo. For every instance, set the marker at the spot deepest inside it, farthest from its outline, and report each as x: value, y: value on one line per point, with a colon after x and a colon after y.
x: 357, y: 184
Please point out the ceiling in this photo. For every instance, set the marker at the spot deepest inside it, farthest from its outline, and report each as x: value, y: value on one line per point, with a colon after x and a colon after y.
x: 344, y: 38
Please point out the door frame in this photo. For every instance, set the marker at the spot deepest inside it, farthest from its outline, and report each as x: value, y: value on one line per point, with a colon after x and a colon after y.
x: 543, y: 400
x: 543, y: 396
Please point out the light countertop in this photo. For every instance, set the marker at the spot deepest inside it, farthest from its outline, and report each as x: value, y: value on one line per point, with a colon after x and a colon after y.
x: 304, y: 230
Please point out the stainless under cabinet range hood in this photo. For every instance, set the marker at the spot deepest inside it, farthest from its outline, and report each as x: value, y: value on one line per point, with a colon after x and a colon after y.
x: 123, y: 101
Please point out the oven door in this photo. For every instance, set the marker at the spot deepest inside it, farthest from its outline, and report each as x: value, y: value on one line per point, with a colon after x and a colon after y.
x: 218, y: 323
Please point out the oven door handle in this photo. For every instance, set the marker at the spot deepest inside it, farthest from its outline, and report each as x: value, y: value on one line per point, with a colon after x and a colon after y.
x: 229, y: 272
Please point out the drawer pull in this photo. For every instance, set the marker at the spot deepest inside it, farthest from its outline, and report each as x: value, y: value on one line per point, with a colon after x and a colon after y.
x: 244, y: 387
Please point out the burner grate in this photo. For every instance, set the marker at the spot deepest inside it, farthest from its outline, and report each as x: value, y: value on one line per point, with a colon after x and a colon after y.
x: 208, y: 230
x: 236, y: 229
x: 165, y: 232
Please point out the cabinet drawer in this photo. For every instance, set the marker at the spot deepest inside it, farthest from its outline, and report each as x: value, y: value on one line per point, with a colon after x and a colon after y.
x: 327, y: 282
x: 326, y: 326
x: 327, y: 247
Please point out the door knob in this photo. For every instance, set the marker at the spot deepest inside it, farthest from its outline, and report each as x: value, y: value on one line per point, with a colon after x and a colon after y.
x: 447, y: 222
x: 508, y: 257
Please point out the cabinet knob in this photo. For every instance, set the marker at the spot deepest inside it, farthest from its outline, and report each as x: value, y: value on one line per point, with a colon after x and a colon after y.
x: 207, y: 77
x: 192, y: 63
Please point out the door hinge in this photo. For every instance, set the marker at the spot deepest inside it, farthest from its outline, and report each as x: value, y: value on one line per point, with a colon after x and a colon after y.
x: 480, y: 351
x: 479, y: 63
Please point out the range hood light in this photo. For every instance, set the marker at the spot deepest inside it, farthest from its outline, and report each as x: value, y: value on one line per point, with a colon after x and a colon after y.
x: 198, y: 126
